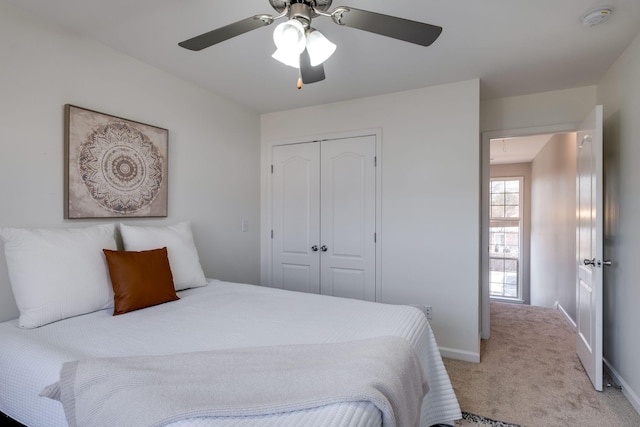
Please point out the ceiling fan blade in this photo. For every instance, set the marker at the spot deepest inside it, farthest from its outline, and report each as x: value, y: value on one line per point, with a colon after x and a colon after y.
x: 224, y: 33
x: 308, y: 73
x: 386, y: 25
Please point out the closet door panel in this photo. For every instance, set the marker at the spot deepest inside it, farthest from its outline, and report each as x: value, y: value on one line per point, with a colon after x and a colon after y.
x: 296, y: 221
x: 347, y: 202
x: 346, y: 283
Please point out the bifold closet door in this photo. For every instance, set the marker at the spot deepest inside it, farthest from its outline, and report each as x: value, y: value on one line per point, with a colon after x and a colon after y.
x: 348, y: 217
x: 323, y: 230
x: 296, y: 217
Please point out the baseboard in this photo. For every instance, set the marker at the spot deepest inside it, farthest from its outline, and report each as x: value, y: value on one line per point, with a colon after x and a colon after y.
x: 631, y: 396
x: 466, y: 356
x: 566, y: 315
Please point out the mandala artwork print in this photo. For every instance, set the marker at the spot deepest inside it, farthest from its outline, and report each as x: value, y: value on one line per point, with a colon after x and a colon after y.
x: 121, y: 168
x: 116, y: 168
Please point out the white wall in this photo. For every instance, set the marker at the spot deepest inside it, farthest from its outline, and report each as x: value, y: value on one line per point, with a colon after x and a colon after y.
x: 213, y: 144
x: 430, y: 197
x: 560, y: 107
x: 553, y: 225
x: 619, y: 92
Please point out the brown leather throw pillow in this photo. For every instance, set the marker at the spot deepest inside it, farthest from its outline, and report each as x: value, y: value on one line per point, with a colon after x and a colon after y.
x: 139, y: 279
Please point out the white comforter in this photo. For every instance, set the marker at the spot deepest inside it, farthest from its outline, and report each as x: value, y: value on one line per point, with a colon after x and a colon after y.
x: 219, y: 316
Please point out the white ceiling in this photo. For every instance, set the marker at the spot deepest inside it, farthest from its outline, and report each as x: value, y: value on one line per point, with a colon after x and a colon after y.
x: 514, y: 47
x: 517, y: 150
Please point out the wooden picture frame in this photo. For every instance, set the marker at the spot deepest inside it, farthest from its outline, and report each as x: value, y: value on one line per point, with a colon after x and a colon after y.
x: 113, y: 167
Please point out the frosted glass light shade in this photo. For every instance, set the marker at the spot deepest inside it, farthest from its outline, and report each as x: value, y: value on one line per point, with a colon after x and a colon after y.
x: 287, y: 58
x: 289, y: 37
x: 319, y: 47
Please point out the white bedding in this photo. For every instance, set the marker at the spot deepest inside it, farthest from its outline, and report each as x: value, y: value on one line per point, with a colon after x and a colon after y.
x: 221, y: 315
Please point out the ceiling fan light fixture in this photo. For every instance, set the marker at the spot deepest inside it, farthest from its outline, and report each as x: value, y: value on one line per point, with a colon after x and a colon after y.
x: 289, y: 37
x: 319, y: 47
x: 302, y: 47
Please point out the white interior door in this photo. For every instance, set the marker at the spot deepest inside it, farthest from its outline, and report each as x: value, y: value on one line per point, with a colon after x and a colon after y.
x: 589, y: 246
x: 296, y: 217
x: 348, y: 218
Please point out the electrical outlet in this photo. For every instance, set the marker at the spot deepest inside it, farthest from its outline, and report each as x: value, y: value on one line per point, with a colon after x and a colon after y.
x: 428, y: 311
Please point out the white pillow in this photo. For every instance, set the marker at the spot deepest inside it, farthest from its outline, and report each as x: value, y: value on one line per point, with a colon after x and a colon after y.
x: 183, y: 255
x: 58, y: 273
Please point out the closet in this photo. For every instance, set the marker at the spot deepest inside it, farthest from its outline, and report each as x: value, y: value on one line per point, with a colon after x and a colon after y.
x: 324, y: 217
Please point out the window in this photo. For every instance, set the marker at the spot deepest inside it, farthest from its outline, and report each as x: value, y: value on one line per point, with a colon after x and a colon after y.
x: 505, y: 237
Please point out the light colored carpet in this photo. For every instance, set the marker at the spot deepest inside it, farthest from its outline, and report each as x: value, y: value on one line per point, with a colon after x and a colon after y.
x: 530, y: 375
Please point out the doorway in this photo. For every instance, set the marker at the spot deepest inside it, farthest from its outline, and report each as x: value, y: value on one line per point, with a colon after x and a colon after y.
x: 568, y: 181
x: 535, y: 240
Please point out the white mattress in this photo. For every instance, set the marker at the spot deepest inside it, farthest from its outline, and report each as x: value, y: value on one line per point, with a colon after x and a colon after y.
x: 218, y: 316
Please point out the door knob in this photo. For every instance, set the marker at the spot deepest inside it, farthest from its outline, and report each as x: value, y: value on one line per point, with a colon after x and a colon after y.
x: 314, y: 248
x: 323, y: 248
x: 607, y: 262
x: 590, y: 262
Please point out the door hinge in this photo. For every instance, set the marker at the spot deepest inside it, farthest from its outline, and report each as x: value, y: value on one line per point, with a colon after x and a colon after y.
x: 271, y: 169
x: 272, y: 234
x: 375, y: 161
x: 375, y: 237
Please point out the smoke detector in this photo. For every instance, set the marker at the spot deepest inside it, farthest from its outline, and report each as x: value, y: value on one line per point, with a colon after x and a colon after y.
x: 596, y: 16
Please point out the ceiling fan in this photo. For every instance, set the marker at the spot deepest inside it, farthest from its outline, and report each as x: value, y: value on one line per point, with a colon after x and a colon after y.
x: 303, y: 47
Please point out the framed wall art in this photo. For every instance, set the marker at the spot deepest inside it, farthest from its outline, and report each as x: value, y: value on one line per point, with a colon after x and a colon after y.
x: 114, y: 167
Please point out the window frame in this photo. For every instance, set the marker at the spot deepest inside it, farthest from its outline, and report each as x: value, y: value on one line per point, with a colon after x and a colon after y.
x: 505, y: 222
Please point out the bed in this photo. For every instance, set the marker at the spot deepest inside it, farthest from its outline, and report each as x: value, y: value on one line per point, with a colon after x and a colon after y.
x: 219, y: 317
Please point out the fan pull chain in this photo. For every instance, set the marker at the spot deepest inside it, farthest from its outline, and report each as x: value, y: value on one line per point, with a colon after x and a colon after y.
x: 299, y: 80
